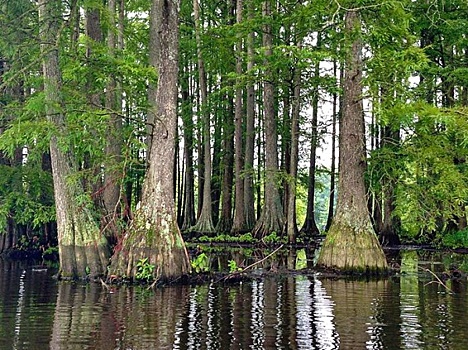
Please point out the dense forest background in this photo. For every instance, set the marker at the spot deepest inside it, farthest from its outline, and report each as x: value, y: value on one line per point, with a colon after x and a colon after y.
x: 259, y: 99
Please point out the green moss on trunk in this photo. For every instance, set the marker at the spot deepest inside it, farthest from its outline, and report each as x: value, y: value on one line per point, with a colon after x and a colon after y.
x: 159, y: 240
x: 352, y: 246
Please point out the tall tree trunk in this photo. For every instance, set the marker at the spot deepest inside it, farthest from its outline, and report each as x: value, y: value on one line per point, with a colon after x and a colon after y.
x: 260, y: 166
x: 351, y: 243
x: 331, y: 197
x: 224, y: 224
x: 189, y: 192
x: 82, y: 247
x: 271, y: 218
x: 74, y: 24
x: 388, y: 234
x: 93, y: 93
x: 285, y: 162
x: 112, y: 177
x: 291, y: 225
x: 225, y: 220
x: 154, y: 234
x: 239, y: 211
x: 205, y: 220
x: 310, y: 228
x: 249, y: 198
x: 216, y: 169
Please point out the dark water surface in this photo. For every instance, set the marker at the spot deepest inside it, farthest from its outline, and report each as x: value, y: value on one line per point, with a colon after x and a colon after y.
x: 289, y: 312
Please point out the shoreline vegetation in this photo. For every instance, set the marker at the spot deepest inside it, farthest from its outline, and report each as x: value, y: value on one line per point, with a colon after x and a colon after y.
x: 211, y: 264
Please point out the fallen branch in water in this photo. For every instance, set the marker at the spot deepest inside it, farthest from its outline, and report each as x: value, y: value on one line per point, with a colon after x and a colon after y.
x: 252, y: 265
x: 262, y: 260
x: 438, y: 280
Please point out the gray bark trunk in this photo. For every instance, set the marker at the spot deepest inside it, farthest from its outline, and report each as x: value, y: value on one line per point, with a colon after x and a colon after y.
x: 291, y: 225
x: 310, y: 228
x: 205, y: 220
x: 112, y: 178
x: 239, y: 211
x: 351, y: 243
x: 271, y: 218
x: 249, y: 198
x: 189, y: 191
x: 154, y: 234
x: 82, y: 247
x: 331, y: 197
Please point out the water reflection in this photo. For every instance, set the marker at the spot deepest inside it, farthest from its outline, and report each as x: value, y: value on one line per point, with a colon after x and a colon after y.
x: 411, y: 329
x: 281, y: 312
x: 326, y: 336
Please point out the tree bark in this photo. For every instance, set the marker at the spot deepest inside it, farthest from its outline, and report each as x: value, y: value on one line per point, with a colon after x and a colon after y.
x: 351, y: 243
x: 205, y: 220
x: 249, y: 198
x: 291, y: 219
x: 189, y: 192
x: 154, y: 234
x: 389, y: 229
x: 224, y: 224
x: 331, y: 197
x: 271, y: 218
x: 239, y: 212
x: 112, y: 177
x: 225, y: 221
x: 83, y: 249
x: 310, y: 228
x: 291, y: 224
x: 216, y: 170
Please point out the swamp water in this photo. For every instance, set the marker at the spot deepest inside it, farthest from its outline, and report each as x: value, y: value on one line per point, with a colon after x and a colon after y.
x: 290, y: 311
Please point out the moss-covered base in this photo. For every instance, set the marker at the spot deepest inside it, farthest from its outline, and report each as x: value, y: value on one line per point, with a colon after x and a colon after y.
x: 351, y: 246
x: 156, y: 239
x: 167, y: 265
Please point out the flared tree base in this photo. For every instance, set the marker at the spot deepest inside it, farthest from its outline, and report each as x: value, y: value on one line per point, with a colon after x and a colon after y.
x: 157, y: 245
x: 270, y: 221
x: 351, y: 246
x: 204, y: 224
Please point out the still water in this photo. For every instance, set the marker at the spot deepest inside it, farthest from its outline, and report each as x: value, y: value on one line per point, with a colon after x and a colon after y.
x: 282, y: 312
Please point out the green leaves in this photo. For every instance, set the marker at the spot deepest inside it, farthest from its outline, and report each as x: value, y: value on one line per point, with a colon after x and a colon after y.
x: 201, y: 263
x: 26, y: 196
x: 429, y: 169
x: 145, y: 270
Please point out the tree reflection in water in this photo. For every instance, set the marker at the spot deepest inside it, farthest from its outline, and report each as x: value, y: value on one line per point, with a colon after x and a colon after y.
x: 274, y: 312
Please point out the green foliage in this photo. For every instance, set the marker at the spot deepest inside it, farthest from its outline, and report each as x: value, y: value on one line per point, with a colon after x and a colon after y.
x: 145, y: 270
x: 233, y: 268
x: 49, y: 252
x: 433, y: 183
x: 225, y: 238
x: 274, y: 238
x: 201, y: 263
x: 456, y: 239
x: 26, y: 196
